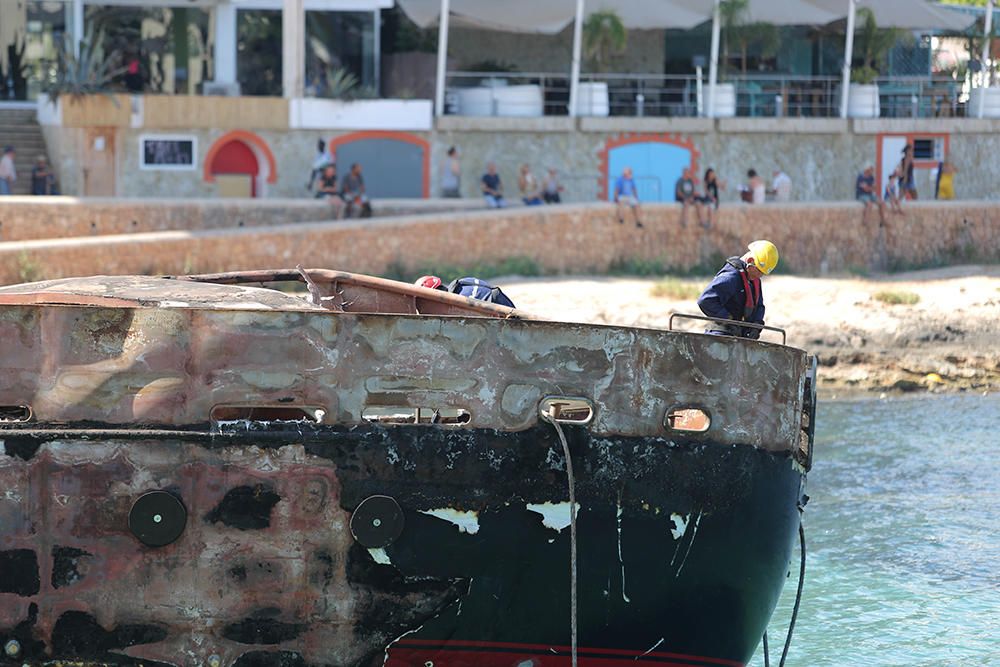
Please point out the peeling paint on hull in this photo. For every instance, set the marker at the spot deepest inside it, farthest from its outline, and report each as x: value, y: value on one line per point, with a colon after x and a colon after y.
x: 331, y: 540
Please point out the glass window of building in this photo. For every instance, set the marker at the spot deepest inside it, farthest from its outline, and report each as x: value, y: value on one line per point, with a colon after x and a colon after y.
x: 258, y: 52
x: 154, y: 49
x: 340, y: 44
x: 31, y: 33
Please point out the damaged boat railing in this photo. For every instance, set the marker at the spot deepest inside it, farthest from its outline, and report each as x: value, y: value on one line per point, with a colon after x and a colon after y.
x: 734, y: 323
x: 342, y: 291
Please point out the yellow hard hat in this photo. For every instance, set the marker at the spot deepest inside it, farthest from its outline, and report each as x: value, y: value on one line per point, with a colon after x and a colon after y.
x: 765, y: 256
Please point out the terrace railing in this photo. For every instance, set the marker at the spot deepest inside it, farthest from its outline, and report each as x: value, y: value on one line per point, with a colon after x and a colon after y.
x: 529, y: 94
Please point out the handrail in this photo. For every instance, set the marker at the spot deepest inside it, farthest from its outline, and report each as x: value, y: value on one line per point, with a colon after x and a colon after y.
x: 752, y: 325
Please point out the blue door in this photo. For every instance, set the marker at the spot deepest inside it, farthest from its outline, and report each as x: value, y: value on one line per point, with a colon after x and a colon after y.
x: 656, y: 166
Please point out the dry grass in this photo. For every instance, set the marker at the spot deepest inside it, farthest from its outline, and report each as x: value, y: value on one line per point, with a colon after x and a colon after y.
x: 897, y: 298
x: 672, y: 288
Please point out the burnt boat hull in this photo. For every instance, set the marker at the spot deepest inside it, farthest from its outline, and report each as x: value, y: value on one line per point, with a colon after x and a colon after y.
x: 199, y: 473
x: 682, y: 548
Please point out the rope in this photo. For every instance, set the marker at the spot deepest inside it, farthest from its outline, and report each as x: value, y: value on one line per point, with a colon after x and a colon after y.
x: 798, y: 599
x: 572, y: 535
x: 798, y: 593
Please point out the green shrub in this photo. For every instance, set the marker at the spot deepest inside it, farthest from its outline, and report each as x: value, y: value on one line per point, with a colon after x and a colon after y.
x: 897, y: 298
x: 672, y: 288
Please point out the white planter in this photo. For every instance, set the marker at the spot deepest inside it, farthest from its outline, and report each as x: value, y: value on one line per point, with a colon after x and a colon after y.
x: 989, y: 98
x: 525, y: 101
x: 314, y: 113
x: 725, y: 100
x: 863, y: 101
x: 475, y: 101
x: 592, y: 99
x: 49, y: 113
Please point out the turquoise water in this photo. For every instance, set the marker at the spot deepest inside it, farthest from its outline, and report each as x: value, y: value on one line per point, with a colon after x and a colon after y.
x: 902, y: 537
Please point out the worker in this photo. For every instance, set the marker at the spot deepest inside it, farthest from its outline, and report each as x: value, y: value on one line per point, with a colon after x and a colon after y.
x: 735, y: 292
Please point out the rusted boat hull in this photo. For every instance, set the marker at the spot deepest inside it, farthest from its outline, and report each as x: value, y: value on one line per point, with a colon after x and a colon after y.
x: 186, y: 481
x: 682, y: 548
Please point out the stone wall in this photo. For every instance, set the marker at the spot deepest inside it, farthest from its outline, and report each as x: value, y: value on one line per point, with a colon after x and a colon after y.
x: 32, y: 218
x: 813, y: 239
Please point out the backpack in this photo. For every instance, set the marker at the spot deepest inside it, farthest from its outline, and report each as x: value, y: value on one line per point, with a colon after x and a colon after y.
x: 480, y: 289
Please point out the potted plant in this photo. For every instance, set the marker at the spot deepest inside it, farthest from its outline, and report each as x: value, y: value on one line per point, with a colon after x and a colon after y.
x: 873, y: 44
x: 604, y: 39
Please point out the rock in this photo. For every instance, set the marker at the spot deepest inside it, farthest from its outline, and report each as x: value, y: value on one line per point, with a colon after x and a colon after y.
x: 906, y: 385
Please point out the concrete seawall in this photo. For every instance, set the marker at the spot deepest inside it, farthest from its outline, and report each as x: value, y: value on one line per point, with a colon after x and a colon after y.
x: 814, y: 239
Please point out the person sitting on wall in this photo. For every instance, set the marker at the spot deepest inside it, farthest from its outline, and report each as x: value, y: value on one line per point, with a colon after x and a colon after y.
x: 328, y: 190
x: 891, y: 193
x: 710, y: 199
x: 754, y: 191
x: 551, y: 187
x: 354, y: 193
x: 528, y: 184
x: 735, y: 292
x: 322, y: 159
x: 865, y: 192
x: 685, y: 195
x: 626, y: 194
x: 492, y: 187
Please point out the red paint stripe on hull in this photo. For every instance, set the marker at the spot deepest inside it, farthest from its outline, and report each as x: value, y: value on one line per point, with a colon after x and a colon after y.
x: 418, y: 653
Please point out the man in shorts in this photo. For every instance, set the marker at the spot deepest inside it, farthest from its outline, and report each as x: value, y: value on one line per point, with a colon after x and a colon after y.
x: 626, y: 194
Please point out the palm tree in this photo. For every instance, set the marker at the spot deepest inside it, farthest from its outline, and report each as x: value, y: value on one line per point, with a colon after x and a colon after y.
x: 874, y: 44
x: 604, y: 36
x: 765, y: 36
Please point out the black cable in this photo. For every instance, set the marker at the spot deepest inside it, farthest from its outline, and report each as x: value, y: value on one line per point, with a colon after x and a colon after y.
x: 767, y: 658
x: 798, y: 593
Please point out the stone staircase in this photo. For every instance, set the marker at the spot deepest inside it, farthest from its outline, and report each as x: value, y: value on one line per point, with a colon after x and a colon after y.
x: 19, y: 128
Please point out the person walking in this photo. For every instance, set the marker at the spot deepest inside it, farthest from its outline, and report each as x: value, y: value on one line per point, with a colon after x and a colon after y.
x: 735, y: 292
x: 451, y: 175
x: 8, y: 174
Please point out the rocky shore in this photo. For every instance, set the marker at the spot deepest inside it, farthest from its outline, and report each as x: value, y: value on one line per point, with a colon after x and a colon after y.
x: 936, y: 330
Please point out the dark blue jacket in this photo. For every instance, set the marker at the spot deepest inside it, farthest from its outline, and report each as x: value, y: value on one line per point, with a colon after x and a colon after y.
x: 725, y: 297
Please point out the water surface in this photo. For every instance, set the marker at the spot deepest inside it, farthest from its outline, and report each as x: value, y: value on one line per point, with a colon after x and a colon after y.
x: 902, y: 537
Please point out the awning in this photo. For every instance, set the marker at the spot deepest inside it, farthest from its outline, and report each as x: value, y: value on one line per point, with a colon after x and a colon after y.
x: 908, y: 14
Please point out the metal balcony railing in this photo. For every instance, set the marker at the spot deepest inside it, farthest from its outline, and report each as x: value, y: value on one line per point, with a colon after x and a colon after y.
x: 529, y: 94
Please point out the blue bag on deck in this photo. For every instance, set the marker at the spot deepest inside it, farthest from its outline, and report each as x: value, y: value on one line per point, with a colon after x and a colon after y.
x: 480, y: 289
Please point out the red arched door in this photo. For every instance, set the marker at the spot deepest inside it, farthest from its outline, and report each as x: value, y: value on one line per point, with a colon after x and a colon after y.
x: 235, y: 158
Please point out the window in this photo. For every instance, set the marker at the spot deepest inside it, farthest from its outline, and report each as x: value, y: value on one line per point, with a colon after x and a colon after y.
x: 339, y: 44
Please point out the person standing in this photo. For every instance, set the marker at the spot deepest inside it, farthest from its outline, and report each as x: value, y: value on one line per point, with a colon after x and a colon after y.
x: 946, y: 180
x: 907, y: 184
x: 451, y: 174
x: 735, y: 292
x: 8, y: 174
x: 492, y: 187
x: 626, y: 194
x: 42, y: 180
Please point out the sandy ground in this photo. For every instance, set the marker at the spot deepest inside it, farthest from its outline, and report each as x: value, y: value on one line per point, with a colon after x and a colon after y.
x: 948, y: 341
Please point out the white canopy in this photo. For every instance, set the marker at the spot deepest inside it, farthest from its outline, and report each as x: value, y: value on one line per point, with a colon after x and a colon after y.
x: 909, y: 14
x: 552, y: 16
